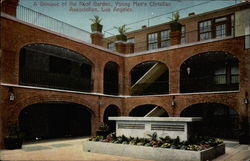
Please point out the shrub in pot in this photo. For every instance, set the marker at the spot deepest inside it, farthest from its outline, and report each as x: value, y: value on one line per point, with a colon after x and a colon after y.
x: 103, y: 130
x: 15, y: 138
x: 122, y: 30
x: 96, y: 26
x: 174, y: 24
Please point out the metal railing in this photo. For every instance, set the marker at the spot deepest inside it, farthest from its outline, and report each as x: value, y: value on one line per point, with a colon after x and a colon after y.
x: 188, y: 37
x: 41, y: 20
x: 55, y: 80
x: 209, y: 84
x: 158, y: 87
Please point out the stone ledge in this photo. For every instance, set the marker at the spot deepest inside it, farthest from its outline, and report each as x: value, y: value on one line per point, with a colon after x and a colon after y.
x: 157, y: 119
x: 157, y: 154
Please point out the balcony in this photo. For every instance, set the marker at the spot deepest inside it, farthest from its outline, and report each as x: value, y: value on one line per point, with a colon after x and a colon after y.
x: 56, y: 81
x: 42, y: 20
x: 209, y: 84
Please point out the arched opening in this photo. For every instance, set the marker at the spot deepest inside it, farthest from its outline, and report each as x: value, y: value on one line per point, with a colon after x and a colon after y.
x: 55, y: 120
x: 50, y: 66
x: 148, y: 110
x: 210, y: 71
x: 111, y: 75
x: 149, y: 78
x: 218, y: 120
x: 111, y: 110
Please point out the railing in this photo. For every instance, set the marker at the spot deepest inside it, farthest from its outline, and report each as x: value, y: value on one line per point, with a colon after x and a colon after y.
x: 158, y: 87
x: 189, y: 37
x: 55, y: 80
x: 209, y: 84
x: 39, y: 19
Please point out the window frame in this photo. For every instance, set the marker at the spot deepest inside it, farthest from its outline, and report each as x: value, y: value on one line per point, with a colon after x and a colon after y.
x: 109, y: 46
x: 229, y: 26
x: 159, y: 39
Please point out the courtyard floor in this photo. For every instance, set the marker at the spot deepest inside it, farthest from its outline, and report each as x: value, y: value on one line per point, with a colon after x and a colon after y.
x: 58, y: 150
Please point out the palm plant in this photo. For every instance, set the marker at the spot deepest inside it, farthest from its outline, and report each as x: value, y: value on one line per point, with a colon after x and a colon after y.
x: 122, y: 30
x: 174, y: 24
x: 96, y: 26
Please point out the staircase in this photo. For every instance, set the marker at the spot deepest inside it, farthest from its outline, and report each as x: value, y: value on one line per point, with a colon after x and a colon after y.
x: 155, y: 112
x: 148, y: 78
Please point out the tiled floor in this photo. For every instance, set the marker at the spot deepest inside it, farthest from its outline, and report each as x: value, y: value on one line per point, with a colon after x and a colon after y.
x: 72, y: 150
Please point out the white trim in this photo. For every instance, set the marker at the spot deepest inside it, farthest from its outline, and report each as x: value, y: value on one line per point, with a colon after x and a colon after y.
x: 114, y: 52
x: 120, y: 96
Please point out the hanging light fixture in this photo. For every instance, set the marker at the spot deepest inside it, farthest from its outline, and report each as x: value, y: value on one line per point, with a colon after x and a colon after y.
x: 245, y: 100
x: 188, y: 70
x: 12, y: 97
x: 173, y: 102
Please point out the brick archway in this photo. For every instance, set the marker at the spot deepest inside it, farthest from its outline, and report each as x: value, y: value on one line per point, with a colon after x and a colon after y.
x: 167, y: 110
x: 229, y: 100
x: 232, y: 49
x: 119, y: 110
x: 159, y: 60
x: 218, y: 119
x: 20, y: 105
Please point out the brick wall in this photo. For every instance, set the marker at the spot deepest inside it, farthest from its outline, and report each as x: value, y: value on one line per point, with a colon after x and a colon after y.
x: 15, y: 35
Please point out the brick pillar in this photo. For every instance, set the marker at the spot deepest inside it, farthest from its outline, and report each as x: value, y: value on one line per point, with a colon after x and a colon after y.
x: 130, y: 48
x: 126, y: 79
x: 97, y: 38
x: 98, y: 78
x: 124, y: 48
x: 175, y: 37
x: 9, y: 7
x: 174, y: 80
x: 120, y: 47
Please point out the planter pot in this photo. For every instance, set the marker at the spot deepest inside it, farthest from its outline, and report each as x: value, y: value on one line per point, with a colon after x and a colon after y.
x: 175, y: 26
x: 95, y: 27
x: 13, y: 143
x: 103, y: 133
x: 121, y: 38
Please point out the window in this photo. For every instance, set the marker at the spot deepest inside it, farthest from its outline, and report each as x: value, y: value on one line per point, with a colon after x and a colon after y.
x: 165, y: 38
x: 221, y: 30
x: 205, y: 30
x: 159, y: 39
x: 220, y: 76
x: 131, y: 40
x: 227, y: 75
x: 234, y: 75
x: 153, y: 41
x: 215, y: 28
x: 183, y: 35
x: 232, y: 24
x: 111, y: 46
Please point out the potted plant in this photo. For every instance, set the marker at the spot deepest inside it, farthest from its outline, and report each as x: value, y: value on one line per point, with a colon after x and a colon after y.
x: 103, y: 130
x: 174, y: 24
x: 122, y: 30
x: 14, y: 139
x: 96, y: 26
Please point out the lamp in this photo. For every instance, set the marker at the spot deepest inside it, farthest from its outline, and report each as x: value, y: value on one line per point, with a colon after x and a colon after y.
x: 11, y: 92
x: 246, y: 101
x: 188, y: 70
x: 173, y: 102
x: 12, y: 97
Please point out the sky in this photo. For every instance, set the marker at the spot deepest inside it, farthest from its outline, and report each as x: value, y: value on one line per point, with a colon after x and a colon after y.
x: 119, y: 12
